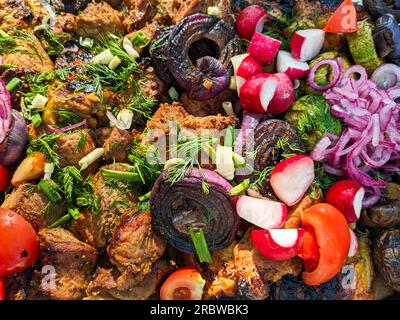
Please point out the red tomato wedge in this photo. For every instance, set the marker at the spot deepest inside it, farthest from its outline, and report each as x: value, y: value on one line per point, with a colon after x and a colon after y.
x: 3, y: 178
x: 2, y: 289
x: 19, y: 246
x: 183, y: 284
x: 344, y: 20
x: 333, y: 239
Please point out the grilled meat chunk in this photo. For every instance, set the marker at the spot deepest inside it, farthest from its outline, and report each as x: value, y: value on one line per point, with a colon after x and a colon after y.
x: 18, y: 285
x: 99, y: 19
x: 21, y: 14
x: 117, y: 198
x: 73, y: 146
x: 134, y: 247
x: 118, y: 144
x: 71, y: 58
x: 105, y: 285
x: 73, y: 260
x: 140, y: 12
x: 86, y: 104
x: 255, y: 273
x: 64, y: 22
x: 31, y: 203
x: 71, y: 6
x: 29, y: 54
x: 221, y: 275
x: 159, y: 124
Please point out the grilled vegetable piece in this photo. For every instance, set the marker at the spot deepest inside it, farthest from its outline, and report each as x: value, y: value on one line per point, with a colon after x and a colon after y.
x: 382, y: 215
x: 377, y: 8
x: 387, y: 38
x: 386, y: 253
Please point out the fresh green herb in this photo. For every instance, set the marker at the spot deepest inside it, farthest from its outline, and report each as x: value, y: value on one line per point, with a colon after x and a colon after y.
x: 244, y: 185
x: 322, y: 180
x: 140, y: 40
x: 54, y: 45
x: 45, y: 145
x: 200, y: 244
x: 13, y: 83
x: 145, y: 197
x: 83, y: 136
x: 50, y: 189
x: 61, y: 221
x: 66, y: 117
x: 140, y: 104
x: 148, y: 169
x: 36, y: 120
x: 262, y: 176
x: 120, y: 175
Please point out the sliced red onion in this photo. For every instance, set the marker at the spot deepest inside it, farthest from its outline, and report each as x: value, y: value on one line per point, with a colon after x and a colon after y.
x: 336, y: 70
x: 249, y: 124
x: 67, y: 128
x: 5, y: 111
x: 394, y: 92
x: 386, y: 76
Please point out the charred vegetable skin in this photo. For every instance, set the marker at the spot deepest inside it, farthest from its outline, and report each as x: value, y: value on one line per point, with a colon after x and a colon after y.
x: 387, y: 37
x: 179, y: 206
x: 199, y: 50
x: 384, y: 215
x: 273, y: 139
x: 386, y: 254
x: 377, y: 8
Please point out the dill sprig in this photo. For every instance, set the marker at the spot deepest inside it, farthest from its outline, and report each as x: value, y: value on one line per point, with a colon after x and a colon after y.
x: 262, y: 176
x: 83, y: 136
x: 45, y: 144
x: 140, y: 104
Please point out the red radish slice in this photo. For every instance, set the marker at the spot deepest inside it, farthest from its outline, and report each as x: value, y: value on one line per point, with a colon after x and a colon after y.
x: 291, y: 178
x: 263, y: 48
x: 346, y: 196
x: 250, y: 20
x: 306, y: 44
x: 244, y: 68
x: 284, y: 96
x: 294, y: 68
x: 257, y: 92
x: 278, y: 244
x: 263, y: 213
x: 353, y: 244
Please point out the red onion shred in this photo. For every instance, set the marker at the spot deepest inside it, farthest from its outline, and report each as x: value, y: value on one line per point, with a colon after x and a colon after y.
x: 336, y: 71
x: 5, y: 111
x: 371, y: 140
x: 67, y: 128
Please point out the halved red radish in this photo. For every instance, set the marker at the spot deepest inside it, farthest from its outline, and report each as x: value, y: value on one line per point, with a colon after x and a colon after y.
x: 250, y: 20
x: 263, y: 48
x: 278, y: 244
x: 347, y: 197
x: 244, y: 68
x: 294, y: 68
x: 306, y: 44
x: 257, y: 92
x: 291, y: 178
x: 353, y: 244
x: 284, y: 96
x: 263, y: 213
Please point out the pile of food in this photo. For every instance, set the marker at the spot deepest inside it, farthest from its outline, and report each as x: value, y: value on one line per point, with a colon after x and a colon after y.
x: 205, y: 149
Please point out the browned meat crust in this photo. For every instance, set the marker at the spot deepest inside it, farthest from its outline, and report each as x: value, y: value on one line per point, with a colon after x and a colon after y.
x: 175, y: 112
x: 104, y: 285
x: 99, y: 19
x: 28, y: 201
x: 73, y: 260
x: 21, y: 14
x: 18, y: 285
x: 254, y: 271
x: 118, y: 144
x: 134, y: 247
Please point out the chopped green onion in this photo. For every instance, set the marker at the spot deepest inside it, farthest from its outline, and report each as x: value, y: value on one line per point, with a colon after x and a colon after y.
x: 224, y: 162
x: 39, y: 102
x: 74, y: 212
x: 103, y: 57
x: 229, y: 136
x: 14, y: 82
x: 36, y: 120
x: 173, y: 162
x: 240, y: 187
x: 127, y: 45
x: 214, y: 11
x: 140, y: 173
x: 50, y: 189
x: 120, y: 175
x: 124, y: 119
x: 140, y: 40
x: 114, y: 63
x: 228, y: 108
x: 82, y: 201
x: 90, y: 158
x: 61, y: 221
x: 232, y: 83
x: 238, y: 160
x: 48, y: 170
x: 145, y: 197
x: 200, y: 244
x: 172, y: 93
x: 86, y: 42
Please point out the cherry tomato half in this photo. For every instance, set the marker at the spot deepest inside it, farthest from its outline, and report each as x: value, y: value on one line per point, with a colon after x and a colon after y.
x: 183, y: 284
x: 19, y: 246
x: 333, y: 239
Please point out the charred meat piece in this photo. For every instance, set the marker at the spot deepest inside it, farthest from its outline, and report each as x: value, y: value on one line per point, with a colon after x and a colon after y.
x: 18, y: 285
x: 107, y: 285
x: 73, y: 260
x: 117, y: 198
x: 97, y: 20
x: 73, y: 146
x: 117, y: 146
x: 64, y: 22
x: 85, y: 104
x: 30, y: 54
x: 28, y: 201
x: 86, y: 228
x: 21, y: 14
x: 71, y: 6
x: 16, y: 95
x: 158, y: 125
x: 134, y: 246
x: 221, y: 275
x: 255, y: 273
x: 140, y: 12
x: 71, y: 58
